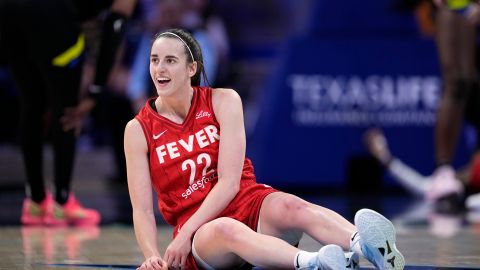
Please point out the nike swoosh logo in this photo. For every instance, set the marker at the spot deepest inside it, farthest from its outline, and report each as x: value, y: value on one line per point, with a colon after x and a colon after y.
x: 353, y: 237
x: 158, y: 135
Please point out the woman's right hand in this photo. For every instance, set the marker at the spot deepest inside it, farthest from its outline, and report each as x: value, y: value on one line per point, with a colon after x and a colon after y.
x: 153, y: 263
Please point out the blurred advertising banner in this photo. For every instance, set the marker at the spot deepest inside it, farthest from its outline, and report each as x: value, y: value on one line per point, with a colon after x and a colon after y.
x: 354, y: 100
x: 325, y: 93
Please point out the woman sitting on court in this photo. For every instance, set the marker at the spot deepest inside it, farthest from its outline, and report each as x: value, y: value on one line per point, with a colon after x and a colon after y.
x: 188, y: 143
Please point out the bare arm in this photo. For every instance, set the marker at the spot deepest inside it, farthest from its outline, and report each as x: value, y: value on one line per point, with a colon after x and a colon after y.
x: 140, y: 189
x: 229, y: 113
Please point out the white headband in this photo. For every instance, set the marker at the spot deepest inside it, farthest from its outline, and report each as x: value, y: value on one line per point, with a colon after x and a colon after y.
x: 177, y: 36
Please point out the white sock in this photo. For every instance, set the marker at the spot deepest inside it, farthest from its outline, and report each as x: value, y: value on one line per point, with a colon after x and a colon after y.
x: 355, y: 244
x: 305, y: 259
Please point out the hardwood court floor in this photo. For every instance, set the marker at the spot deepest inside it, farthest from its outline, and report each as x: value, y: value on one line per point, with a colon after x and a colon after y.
x: 439, y: 242
x: 428, y: 240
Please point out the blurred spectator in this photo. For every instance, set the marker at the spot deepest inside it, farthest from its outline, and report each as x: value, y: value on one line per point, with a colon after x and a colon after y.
x: 416, y: 183
x: 43, y: 45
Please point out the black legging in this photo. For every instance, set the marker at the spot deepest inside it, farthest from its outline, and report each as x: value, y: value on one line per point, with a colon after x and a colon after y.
x: 33, y: 33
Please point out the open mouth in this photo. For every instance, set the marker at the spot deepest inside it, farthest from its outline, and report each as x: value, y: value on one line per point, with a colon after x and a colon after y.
x: 163, y: 81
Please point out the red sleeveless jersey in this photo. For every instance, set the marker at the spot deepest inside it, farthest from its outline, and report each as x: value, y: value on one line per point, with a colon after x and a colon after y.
x: 183, y: 162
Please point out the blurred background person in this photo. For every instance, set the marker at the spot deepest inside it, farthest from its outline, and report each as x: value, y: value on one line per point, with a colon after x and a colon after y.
x: 452, y: 24
x: 44, y: 46
x: 444, y: 218
x: 455, y: 37
x: 413, y: 181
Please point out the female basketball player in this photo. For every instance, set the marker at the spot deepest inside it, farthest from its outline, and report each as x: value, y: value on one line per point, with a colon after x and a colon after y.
x: 189, y: 145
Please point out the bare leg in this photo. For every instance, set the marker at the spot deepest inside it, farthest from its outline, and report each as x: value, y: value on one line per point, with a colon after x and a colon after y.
x: 456, y: 45
x: 283, y: 212
x: 225, y: 243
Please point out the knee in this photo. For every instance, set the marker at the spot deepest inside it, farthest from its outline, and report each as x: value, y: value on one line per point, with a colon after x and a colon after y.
x: 226, y: 229
x: 292, y: 208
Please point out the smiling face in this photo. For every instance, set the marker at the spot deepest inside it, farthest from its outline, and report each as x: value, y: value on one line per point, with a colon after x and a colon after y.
x: 169, y: 68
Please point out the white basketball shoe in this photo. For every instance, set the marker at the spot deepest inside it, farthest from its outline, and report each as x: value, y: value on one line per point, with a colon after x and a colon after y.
x: 444, y: 183
x: 352, y: 260
x: 473, y: 202
x: 377, y: 240
x: 331, y: 257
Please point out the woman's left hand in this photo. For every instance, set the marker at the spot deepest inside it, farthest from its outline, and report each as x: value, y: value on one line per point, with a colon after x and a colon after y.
x: 177, y: 252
